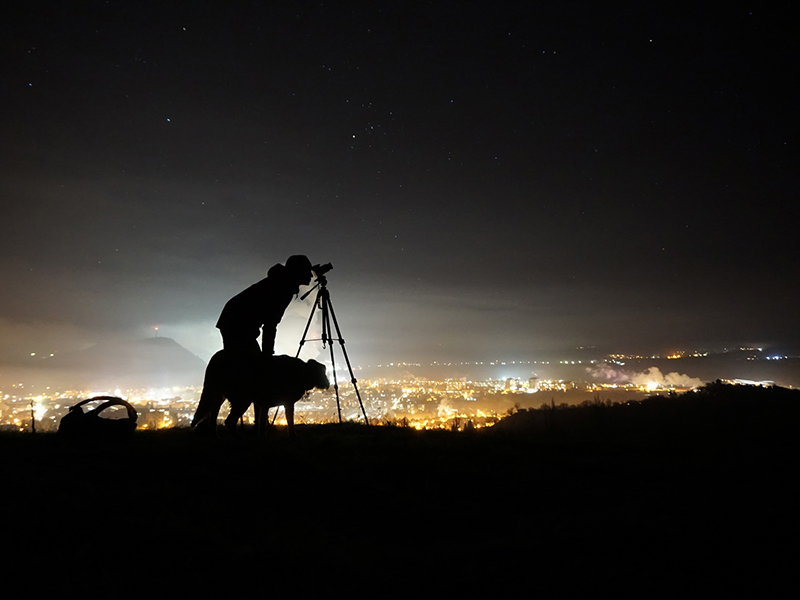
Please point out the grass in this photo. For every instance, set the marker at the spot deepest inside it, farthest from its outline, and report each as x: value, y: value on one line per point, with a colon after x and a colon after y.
x: 558, y: 502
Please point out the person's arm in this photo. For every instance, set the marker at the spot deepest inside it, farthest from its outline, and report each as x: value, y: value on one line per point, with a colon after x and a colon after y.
x: 273, y: 314
x: 270, y: 328
x: 268, y: 339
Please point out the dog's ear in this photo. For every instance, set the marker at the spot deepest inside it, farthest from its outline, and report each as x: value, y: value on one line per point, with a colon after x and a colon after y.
x: 317, y: 375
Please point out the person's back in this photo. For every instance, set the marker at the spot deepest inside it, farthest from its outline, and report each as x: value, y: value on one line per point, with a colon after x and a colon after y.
x: 262, y: 305
x: 251, y: 309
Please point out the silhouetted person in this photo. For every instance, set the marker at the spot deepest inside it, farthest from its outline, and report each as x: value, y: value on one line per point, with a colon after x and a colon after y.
x: 262, y: 306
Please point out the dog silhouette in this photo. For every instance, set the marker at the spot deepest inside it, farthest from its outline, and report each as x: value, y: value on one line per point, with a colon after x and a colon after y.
x: 264, y: 381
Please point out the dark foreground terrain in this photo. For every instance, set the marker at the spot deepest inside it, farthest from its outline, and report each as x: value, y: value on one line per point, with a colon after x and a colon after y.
x: 676, y: 496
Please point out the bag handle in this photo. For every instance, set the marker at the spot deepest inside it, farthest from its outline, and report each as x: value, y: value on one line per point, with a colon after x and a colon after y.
x: 109, y: 402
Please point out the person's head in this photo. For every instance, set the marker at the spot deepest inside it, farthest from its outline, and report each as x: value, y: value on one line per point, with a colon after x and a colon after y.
x: 299, y: 268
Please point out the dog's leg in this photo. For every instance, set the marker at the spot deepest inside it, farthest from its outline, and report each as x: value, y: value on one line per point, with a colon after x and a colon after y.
x: 205, y: 418
x: 262, y: 416
x: 289, y: 409
x: 238, y: 409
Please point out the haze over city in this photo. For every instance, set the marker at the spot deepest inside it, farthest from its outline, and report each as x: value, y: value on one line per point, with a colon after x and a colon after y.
x: 490, y: 181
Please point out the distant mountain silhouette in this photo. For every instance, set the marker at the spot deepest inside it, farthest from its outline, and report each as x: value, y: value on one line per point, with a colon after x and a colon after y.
x: 152, y: 362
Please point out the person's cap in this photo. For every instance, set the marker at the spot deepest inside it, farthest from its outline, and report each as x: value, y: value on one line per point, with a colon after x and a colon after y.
x: 298, y: 262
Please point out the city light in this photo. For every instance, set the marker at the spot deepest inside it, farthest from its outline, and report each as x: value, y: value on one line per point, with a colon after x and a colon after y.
x: 399, y: 397
x: 418, y: 403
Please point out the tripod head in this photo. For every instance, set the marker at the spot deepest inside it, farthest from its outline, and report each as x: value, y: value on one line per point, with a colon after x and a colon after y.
x: 319, y: 276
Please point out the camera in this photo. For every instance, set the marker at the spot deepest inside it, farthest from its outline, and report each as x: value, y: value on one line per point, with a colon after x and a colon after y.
x: 320, y: 270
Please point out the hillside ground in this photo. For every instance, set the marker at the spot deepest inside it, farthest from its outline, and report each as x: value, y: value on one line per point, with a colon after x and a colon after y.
x: 551, y: 506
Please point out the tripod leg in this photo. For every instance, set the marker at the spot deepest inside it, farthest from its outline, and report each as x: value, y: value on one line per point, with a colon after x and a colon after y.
x: 346, y: 358
x: 308, y: 324
x: 326, y: 336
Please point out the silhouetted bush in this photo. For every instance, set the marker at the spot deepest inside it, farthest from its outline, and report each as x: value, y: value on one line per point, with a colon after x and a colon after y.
x: 717, y: 411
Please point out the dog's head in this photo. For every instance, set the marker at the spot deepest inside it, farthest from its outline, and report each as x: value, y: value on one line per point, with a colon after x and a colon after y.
x: 316, y: 376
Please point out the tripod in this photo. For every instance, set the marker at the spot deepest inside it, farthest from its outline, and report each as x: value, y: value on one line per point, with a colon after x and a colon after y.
x: 323, y: 302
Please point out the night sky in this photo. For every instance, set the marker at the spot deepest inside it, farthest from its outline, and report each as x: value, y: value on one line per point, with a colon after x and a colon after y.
x: 489, y: 180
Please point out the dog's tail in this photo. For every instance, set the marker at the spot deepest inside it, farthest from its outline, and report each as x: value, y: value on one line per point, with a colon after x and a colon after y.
x: 205, y: 417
